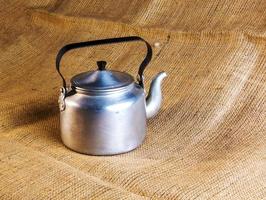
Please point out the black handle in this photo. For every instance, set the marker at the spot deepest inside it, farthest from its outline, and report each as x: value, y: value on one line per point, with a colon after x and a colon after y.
x: 71, y: 46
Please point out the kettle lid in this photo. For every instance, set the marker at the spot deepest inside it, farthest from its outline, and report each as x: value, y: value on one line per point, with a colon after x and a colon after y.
x: 101, y: 79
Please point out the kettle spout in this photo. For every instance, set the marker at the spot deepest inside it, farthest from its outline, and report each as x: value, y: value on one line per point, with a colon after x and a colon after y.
x: 154, y: 98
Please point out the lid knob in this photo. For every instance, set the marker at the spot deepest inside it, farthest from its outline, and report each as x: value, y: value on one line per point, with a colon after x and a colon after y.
x: 101, y: 65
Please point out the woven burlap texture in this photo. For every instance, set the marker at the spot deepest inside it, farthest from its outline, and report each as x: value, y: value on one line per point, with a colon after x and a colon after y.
x: 207, y: 142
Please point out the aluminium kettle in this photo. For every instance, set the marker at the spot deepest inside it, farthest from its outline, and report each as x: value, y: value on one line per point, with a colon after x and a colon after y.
x: 104, y: 112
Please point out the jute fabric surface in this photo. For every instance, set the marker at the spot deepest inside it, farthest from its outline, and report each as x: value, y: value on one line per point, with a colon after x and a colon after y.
x: 207, y: 142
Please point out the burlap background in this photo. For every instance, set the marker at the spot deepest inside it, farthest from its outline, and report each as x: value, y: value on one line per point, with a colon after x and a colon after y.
x: 209, y: 140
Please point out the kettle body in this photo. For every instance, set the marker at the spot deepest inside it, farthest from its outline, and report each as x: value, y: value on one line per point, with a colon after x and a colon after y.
x: 104, y: 124
x: 104, y: 112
